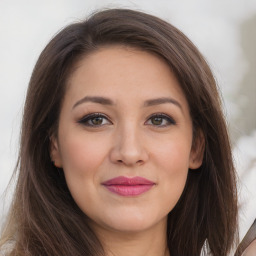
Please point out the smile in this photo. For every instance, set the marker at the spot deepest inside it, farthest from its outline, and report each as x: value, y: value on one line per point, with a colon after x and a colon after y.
x: 125, y: 186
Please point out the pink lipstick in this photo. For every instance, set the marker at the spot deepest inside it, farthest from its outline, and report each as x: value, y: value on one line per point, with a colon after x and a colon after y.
x: 125, y: 186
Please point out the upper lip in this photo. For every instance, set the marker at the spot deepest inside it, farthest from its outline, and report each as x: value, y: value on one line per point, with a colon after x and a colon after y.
x: 128, y: 181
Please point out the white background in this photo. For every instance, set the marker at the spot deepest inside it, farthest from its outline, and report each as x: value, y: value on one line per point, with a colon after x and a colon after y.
x: 213, y: 25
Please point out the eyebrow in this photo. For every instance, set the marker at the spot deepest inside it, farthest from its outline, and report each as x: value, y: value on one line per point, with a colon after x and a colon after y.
x: 147, y: 103
x: 163, y: 100
x: 95, y: 99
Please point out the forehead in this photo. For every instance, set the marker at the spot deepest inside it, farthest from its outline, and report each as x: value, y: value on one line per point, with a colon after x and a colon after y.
x: 121, y: 71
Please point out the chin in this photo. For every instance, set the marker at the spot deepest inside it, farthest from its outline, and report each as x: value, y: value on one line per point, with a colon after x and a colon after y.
x: 133, y: 222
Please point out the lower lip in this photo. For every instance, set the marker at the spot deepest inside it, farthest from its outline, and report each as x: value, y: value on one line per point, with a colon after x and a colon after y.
x: 128, y: 190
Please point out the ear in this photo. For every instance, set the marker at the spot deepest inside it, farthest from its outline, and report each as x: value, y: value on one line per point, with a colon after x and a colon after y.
x: 197, y: 151
x: 55, y: 152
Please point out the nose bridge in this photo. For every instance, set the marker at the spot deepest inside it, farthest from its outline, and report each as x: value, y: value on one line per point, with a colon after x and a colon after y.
x: 129, y: 139
x: 129, y: 148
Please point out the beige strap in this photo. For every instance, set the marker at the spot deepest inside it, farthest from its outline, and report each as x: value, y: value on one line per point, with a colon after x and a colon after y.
x: 249, y: 237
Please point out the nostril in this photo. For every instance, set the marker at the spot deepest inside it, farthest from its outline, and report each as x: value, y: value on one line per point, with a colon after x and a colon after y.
x: 124, y: 162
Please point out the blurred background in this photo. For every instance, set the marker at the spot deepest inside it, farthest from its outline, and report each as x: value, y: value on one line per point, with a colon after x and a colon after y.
x: 223, y: 30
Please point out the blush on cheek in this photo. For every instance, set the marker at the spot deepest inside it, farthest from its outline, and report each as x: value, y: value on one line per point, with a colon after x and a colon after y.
x: 173, y: 154
x: 81, y: 156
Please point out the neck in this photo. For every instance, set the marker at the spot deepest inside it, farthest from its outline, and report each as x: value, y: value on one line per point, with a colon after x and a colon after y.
x: 150, y: 242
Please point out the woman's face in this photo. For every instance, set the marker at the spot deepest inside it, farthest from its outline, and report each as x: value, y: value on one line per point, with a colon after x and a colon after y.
x: 124, y: 139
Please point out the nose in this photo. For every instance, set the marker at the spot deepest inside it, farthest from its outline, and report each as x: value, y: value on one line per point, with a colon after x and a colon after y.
x: 129, y: 148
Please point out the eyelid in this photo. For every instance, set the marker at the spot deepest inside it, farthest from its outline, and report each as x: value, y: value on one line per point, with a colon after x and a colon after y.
x: 87, y: 117
x: 84, y: 120
x: 164, y: 116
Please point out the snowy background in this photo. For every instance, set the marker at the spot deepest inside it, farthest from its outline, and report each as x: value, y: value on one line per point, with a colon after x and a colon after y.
x: 224, y: 31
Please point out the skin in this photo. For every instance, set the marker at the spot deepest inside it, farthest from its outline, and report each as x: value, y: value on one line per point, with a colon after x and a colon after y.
x: 250, y: 250
x: 128, y: 142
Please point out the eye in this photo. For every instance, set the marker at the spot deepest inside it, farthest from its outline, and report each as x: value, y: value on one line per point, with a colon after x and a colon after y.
x: 94, y: 120
x: 161, y: 120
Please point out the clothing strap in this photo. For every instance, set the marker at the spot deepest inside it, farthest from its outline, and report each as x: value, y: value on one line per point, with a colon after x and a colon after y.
x: 249, y: 237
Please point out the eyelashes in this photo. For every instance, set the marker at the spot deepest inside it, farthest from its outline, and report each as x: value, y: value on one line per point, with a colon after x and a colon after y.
x: 95, y: 120
x: 158, y: 120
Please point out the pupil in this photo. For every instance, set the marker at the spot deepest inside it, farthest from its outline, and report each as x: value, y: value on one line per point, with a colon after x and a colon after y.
x: 97, y: 120
x: 157, y: 120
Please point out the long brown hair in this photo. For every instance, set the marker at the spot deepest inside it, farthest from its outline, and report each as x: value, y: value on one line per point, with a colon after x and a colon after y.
x: 45, y: 220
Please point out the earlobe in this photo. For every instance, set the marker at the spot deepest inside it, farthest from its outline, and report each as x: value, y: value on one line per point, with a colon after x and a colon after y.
x: 197, y: 151
x: 54, y: 152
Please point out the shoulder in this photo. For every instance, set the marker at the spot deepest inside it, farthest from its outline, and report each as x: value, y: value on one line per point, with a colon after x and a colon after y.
x: 250, y: 250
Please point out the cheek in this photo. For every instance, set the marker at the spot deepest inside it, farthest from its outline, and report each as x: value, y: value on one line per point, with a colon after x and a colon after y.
x: 81, y: 160
x: 81, y: 156
x: 173, y: 156
x: 173, y: 161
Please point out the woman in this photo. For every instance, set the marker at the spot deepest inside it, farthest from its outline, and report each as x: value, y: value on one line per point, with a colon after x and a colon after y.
x: 124, y: 148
